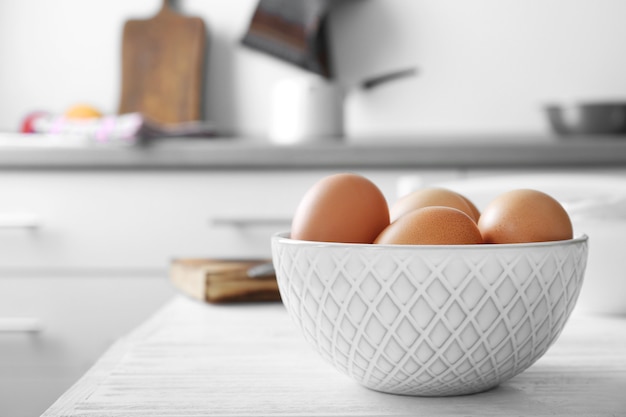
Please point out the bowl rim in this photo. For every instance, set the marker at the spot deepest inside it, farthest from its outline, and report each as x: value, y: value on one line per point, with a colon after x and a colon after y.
x: 283, y: 237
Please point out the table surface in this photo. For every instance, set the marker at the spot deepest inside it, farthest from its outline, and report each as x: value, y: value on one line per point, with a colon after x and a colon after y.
x: 196, y: 359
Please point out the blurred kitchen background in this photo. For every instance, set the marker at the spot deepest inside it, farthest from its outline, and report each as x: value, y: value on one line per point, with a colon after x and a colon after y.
x: 88, y: 233
x: 484, y: 66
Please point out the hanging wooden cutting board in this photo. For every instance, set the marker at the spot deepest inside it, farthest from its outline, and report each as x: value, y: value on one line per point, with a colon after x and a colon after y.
x: 162, y: 66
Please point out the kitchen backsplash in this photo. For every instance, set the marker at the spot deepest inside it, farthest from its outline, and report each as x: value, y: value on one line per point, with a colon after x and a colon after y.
x: 484, y: 66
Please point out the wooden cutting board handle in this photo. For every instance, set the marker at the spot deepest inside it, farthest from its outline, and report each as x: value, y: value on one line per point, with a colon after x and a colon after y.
x: 163, y: 66
x: 167, y: 9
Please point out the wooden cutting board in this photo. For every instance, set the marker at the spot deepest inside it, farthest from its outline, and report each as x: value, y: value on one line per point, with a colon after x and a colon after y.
x: 162, y: 66
x: 222, y: 280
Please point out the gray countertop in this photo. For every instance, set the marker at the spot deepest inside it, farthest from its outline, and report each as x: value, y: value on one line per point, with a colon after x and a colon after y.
x: 427, y: 153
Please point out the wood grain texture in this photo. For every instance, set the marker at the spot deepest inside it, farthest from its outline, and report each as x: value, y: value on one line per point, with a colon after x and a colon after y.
x: 196, y: 359
x: 162, y: 66
x: 222, y: 281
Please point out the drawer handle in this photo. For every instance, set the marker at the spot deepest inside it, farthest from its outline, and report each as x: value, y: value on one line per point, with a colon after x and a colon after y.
x: 244, y: 222
x: 19, y: 221
x: 20, y: 325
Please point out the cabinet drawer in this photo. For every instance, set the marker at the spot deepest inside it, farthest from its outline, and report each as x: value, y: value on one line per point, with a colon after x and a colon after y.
x: 129, y: 220
x: 141, y: 220
x: 78, y: 318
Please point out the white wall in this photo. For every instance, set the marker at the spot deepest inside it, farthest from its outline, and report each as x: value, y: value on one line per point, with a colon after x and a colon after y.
x: 486, y: 66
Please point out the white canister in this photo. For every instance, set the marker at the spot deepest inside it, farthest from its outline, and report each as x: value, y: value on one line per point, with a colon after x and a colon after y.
x: 306, y: 109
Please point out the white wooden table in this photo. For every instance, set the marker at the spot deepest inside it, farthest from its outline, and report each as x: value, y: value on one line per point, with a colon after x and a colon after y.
x: 194, y: 359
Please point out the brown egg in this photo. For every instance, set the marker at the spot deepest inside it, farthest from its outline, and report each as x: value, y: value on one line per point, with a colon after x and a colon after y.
x: 434, y: 225
x: 524, y: 215
x: 344, y: 208
x: 475, y: 212
x: 426, y: 197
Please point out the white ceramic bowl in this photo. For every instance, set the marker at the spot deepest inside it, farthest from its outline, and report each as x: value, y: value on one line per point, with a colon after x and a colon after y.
x: 429, y: 320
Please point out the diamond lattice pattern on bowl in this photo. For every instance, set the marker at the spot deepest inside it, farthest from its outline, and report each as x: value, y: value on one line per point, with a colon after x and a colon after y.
x: 430, y: 321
